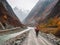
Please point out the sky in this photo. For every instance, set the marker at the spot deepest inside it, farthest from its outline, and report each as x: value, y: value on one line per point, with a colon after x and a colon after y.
x: 23, y: 4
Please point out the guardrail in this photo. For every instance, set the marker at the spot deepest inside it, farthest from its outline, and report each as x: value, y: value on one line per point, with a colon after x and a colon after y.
x: 14, y: 39
x: 10, y: 31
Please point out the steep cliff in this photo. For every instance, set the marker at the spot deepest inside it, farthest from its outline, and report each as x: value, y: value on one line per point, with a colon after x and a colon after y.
x: 47, y: 15
x: 40, y: 11
x: 7, y: 15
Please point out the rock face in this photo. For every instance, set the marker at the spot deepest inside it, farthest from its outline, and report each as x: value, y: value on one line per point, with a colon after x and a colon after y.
x: 21, y: 14
x: 52, y: 20
x: 47, y: 14
x: 55, y: 11
x: 7, y: 16
x: 40, y: 11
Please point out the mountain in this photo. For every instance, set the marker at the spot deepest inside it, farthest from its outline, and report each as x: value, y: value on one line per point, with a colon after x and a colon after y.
x: 46, y: 16
x: 40, y: 11
x: 55, y: 11
x: 21, y: 14
x: 51, y: 21
x: 7, y: 16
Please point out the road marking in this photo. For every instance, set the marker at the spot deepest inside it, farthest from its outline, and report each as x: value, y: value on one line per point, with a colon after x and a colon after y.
x: 35, y: 38
x: 44, y: 40
x: 28, y: 43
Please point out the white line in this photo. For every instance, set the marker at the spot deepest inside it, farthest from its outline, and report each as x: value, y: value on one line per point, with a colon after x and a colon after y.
x: 44, y: 40
x: 35, y: 38
x: 28, y: 42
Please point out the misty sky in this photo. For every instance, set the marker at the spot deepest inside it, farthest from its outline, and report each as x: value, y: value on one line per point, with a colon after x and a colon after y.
x: 23, y: 4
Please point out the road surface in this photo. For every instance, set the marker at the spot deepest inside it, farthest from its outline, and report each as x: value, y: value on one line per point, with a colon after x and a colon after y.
x: 33, y: 40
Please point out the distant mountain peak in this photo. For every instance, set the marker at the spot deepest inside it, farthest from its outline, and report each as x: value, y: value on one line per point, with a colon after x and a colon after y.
x: 21, y: 14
